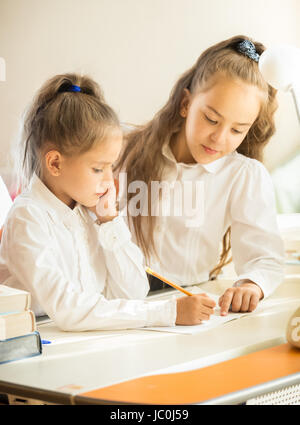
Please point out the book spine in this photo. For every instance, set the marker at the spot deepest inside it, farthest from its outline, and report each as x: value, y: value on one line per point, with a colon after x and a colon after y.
x: 20, y: 347
x: 14, y: 324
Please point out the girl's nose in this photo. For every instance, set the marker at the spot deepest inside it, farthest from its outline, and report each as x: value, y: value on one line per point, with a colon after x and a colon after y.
x: 218, y: 136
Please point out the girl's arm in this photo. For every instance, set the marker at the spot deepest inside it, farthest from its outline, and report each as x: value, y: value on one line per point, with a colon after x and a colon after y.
x: 124, y: 260
x: 27, y: 250
x: 257, y: 247
x: 126, y: 276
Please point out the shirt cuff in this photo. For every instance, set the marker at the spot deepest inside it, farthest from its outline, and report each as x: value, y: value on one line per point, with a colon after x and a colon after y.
x: 113, y: 234
x: 162, y: 313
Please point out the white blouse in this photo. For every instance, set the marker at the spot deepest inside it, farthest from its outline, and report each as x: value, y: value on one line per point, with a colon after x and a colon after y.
x: 83, y: 275
x: 234, y: 191
x: 5, y: 202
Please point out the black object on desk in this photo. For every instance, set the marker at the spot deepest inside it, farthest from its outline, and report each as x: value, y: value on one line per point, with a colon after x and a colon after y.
x: 157, y: 284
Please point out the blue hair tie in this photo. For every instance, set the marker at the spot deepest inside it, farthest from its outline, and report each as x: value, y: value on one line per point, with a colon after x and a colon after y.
x: 74, y: 88
x: 247, y: 48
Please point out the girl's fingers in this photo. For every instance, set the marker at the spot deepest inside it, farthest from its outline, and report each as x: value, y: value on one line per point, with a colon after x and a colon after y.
x: 245, y: 302
x: 253, y: 302
x: 226, y: 301
x: 207, y: 310
x: 237, y: 301
x: 208, y: 302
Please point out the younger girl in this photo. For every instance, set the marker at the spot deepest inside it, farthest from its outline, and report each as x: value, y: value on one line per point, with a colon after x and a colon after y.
x: 211, y: 132
x: 83, y: 273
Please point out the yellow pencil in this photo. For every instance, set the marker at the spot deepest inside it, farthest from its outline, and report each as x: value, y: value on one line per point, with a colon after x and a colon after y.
x: 148, y: 270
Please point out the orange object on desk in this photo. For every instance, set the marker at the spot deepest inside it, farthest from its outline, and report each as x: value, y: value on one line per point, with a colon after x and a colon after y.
x: 207, y: 383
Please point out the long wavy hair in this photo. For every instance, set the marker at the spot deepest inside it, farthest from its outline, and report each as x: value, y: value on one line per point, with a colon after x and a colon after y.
x: 142, y: 157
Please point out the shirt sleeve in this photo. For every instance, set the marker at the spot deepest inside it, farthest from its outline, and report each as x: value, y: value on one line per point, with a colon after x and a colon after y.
x: 126, y: 277
x: 29, y: 254
x: 5, y: 202
x: 257, y: 247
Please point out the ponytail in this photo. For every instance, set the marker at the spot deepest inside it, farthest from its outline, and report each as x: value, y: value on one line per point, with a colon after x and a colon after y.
x: 71, y: 122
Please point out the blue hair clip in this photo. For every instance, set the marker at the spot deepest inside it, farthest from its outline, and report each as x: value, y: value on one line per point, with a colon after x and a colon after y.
x: 74, y: 88
x: 247, y: 48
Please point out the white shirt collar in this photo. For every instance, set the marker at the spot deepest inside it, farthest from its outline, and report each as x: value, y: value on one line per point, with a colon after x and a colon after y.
x: 212, y: 167
x: 54, y: 206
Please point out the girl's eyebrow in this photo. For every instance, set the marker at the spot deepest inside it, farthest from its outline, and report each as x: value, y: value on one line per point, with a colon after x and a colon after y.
x: 216, y: 112
x: 101, y: 162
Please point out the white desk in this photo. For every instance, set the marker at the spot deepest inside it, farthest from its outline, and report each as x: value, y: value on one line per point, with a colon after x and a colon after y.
x: 103, y: 358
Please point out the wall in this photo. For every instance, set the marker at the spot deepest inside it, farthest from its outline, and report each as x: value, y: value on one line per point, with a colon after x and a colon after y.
x: 135, y: 49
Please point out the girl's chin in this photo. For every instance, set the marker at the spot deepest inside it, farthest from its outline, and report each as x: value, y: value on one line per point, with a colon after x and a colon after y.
x: 89, y: 204
x: 206, y: 159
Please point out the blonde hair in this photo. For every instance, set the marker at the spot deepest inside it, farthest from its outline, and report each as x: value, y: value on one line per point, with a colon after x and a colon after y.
x: 143, y: 157
x: 72, y: 122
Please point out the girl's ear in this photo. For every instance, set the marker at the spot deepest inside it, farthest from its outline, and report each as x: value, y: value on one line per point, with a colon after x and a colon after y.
x: 53, y: 162
x: 185, y: 102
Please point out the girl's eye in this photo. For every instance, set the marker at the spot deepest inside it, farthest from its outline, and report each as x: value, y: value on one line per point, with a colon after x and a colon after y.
x: 211, y: 121
x: 97, y: 170
x: 236, y: 131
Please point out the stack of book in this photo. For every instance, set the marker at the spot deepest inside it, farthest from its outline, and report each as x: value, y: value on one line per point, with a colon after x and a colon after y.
x: 19, y: 337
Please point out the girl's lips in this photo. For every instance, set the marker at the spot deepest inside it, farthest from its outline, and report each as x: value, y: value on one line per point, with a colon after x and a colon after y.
x: 209, y: 151
x: 102, y: 194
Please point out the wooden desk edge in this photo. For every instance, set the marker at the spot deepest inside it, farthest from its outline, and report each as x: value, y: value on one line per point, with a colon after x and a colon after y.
x: 25, y: 391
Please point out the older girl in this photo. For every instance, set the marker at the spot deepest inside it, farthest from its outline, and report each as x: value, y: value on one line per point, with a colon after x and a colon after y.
x: 212, y: 130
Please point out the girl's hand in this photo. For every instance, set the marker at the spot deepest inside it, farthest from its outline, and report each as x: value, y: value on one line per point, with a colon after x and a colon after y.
x: 193, y: 309
x: 242, y: 298
x: 106, y: 208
